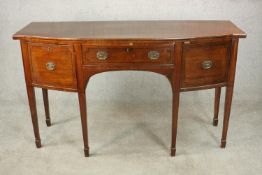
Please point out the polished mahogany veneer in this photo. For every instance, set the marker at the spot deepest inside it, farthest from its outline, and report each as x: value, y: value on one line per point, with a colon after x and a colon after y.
x: 61, y: 56
x: 193, y: 55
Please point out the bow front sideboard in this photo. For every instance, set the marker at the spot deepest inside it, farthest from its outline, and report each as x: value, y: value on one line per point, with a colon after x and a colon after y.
x: 193, y: 55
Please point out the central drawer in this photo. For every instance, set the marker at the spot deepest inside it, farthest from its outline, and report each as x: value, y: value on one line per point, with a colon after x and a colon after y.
x: 137, y: 53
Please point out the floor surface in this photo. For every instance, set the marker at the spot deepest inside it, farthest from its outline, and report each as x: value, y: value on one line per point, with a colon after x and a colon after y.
x: 131, y: 138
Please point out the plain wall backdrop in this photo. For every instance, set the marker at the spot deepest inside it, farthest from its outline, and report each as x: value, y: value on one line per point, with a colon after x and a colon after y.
x: 129, y: 112
x: 131, y: 86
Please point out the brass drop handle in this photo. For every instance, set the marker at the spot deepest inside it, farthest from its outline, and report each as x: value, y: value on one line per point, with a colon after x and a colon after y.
x: 101, y: 55
x: 50, y: 66
x: 207, y: 64
x: 153, y: 55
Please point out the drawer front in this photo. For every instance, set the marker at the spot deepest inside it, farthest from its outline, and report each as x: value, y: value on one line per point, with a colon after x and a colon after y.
x: 52, y: 65
x: 205, y: 64
x: 149, y: 55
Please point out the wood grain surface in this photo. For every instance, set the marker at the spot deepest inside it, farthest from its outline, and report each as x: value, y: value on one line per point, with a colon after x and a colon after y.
x: 129, y: 30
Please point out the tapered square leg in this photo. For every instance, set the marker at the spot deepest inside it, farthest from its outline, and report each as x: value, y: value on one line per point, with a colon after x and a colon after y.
x: 229, y: 91
x: 46, y: 105
x: 216, y: 105
x: 175, y: 84
x: 33, y: 110
x: 228, y: 101
x: 83, y: 113
x: 174, y: 122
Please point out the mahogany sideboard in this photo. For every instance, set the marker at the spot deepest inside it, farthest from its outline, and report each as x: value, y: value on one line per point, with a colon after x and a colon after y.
x: 193, y: 55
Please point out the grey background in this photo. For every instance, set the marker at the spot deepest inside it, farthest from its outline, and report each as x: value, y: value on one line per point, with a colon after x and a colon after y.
x: 120, y: 100
x: 131, y: 86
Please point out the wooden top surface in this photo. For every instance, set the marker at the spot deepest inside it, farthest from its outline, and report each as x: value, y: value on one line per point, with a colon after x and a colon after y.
x: 151, y: 30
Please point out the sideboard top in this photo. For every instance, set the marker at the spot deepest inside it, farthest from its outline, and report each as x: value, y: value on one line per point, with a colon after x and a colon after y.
x: 151, y: 30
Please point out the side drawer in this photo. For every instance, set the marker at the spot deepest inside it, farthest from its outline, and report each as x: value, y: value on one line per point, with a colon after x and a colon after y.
x: 52, y: 65
x: 205, y: 64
